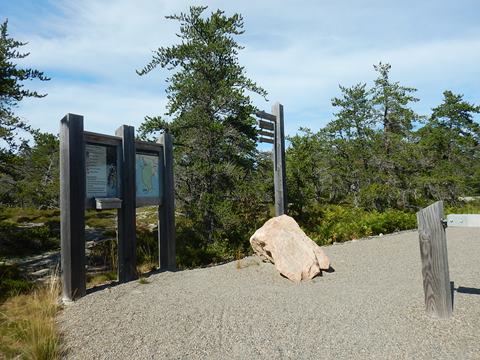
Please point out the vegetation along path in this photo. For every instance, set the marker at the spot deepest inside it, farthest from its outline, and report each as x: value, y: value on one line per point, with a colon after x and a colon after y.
x: 370, y: 307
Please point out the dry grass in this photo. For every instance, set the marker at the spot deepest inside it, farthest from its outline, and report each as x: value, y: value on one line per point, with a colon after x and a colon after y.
x: 247, y: 262
x: 27, y: 324
x: 238, y: 258
x: 146, y: 267
x: 143, y: 281
x: 101, y: 278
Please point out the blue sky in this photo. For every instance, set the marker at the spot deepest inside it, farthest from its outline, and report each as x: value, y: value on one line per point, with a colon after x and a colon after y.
x: 299, y: 51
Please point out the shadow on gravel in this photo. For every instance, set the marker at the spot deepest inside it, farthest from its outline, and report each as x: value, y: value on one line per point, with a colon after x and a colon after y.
x: 330, y: 269
x: 116, y: 283
x: 468, y: 290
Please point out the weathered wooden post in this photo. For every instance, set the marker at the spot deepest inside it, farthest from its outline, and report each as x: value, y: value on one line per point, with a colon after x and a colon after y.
x: 279, y: 161
x: 127, y: 259
x: 166, y: 212
x: 72, y: 206
x: 433, y: 251
x: 272, y: 132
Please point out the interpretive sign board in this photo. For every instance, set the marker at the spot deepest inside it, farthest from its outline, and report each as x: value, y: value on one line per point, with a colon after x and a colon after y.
x: 99, y: 171
x: 147, y: 175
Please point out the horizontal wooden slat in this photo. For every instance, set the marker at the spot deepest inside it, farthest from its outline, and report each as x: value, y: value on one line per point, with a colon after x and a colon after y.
x: 265, y: 115
x: 267, y: 133
x: 265, y: 140
x: 148, y: 201
x: 267, y: 125
x: 147, y: 146
x: 96, y: 138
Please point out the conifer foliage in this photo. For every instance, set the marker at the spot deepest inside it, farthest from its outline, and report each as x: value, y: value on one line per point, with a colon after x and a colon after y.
x: 211, y: 120
x: 12, y: 90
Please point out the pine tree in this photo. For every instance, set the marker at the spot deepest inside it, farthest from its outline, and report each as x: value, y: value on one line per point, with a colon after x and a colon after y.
x: 12, y: 92
x: 351, y: 134
x: 213, y: 127
x: 450, y: 145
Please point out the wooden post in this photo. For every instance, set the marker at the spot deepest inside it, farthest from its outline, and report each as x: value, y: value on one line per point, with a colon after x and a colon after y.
x: 127, y: 259
x: 280, y: 182
x: 166, y: 212
x: 72, y: 206
x: 433, y: 251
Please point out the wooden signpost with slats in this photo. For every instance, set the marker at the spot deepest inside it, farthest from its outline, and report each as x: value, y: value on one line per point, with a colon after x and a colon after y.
x: 99, y: 171
x: 272, y: 132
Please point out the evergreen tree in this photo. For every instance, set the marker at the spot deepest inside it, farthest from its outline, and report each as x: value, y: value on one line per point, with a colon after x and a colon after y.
x: 351, y: 135
x: 450, y: 150
x: 392, y: 111
x: 12, y: 91
x: 215, y: 137
x: 309, y: 179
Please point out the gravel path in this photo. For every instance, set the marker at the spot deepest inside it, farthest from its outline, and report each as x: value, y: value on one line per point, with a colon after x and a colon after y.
x: 370, y: 307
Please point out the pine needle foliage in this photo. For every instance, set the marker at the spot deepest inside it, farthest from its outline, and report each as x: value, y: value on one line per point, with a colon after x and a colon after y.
x: 211, y: 119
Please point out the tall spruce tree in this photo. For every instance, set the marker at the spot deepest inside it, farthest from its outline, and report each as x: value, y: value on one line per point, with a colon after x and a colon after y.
x: 393, y: 112
x: 213, y: 127
x: 351, y: 134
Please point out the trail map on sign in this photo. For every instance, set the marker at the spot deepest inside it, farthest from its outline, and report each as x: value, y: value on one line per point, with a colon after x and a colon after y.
x: 147, y: 176
x: 101, y: 171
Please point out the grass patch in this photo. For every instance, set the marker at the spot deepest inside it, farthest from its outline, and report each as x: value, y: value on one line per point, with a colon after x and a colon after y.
x: 143, y: 281
x: 21, y: 215
x: 27, y: 324
x: 100, y: 219
x: 17, y: 241
x: 102, y: 278
x: 12, y: 282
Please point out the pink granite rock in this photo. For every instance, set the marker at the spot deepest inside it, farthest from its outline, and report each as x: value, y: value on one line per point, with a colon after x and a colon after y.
x: 281, y: 242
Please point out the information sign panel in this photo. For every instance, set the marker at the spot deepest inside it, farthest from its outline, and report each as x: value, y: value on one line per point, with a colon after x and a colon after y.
x: 147, y: 174
x: 101, y: 171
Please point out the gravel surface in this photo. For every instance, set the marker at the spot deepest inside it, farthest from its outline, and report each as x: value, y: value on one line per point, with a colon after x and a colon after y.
x: 370, y: 307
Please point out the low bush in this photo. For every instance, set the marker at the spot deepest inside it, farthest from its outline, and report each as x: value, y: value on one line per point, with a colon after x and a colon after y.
x: 12, y: 282
x: 335, y: 223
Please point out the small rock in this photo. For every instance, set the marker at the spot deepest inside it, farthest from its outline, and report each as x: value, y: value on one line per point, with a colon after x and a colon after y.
x: 281, y: 242
x: 40, y: 273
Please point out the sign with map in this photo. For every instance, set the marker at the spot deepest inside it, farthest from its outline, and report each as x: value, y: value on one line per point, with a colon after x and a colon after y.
x: 147, y: 175
x: 101, y: 171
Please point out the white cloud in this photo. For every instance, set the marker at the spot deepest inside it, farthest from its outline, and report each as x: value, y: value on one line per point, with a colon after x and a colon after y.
x: 299, y: 52
x: 103, y: 107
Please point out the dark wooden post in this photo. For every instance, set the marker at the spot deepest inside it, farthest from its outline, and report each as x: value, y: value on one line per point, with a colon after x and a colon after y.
x: 166, y: 212
x: 280, y: 182
x: 72, y: 206
x: 127, y: 259
x: 433, y: 251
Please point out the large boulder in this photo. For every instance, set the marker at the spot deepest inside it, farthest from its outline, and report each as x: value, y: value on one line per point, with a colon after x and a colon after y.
x: 281, y: 242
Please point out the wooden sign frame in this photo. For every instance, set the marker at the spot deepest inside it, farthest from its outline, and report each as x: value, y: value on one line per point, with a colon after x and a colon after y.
x: 74, y: 201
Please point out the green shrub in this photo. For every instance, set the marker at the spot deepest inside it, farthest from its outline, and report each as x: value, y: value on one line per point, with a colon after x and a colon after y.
x: 335, y: 223
x: 472, y: 207
x: 21, y: 241
x: 12, y: 282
